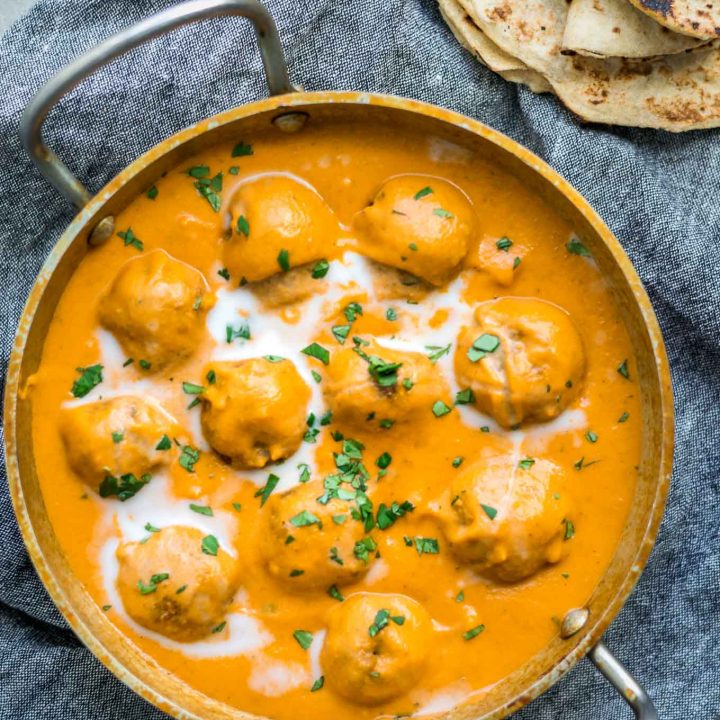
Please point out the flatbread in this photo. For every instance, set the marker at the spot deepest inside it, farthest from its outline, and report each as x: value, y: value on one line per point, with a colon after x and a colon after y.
x: 486, y: 51
x: 615, y: 28
x: 677, y: 92
x: 698, y: 18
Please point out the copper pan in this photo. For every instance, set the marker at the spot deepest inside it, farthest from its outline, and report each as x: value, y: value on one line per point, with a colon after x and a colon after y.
x: 287, y: 110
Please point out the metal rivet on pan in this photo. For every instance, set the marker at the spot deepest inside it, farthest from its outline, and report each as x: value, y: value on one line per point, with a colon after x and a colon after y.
x: 103, y: 231
x: 573, y: 622
x: 290, y: 122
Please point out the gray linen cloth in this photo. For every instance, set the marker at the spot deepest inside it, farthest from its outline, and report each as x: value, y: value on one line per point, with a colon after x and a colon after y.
x: 658, y: 192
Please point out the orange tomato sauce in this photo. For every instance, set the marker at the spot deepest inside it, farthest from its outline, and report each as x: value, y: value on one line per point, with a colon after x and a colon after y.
x: 346, y: 165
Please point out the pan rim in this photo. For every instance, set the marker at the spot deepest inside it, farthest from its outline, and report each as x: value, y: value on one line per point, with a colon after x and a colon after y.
x: 289, y: 103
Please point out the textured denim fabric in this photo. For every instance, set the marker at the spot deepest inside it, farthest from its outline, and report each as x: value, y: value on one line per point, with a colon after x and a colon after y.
x: 658, y: 192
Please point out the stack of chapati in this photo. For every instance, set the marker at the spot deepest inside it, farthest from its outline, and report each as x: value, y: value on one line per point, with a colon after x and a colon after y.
x: 645, y: 63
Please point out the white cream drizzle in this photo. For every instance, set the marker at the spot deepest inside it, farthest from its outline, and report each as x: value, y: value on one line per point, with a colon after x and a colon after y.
x: 274, y: 677
x: 272, y: 335
x: 314, y: 652
x: 440, y: 700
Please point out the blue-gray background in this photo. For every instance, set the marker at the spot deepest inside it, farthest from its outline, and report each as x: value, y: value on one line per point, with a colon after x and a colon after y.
x: 658, y: 192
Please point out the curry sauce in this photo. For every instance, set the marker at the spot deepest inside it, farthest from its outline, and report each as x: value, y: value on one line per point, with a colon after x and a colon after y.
x: 339, y: 424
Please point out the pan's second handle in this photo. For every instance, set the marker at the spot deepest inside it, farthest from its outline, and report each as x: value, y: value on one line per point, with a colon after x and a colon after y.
x: 627, y: 686
x: 54, y: 170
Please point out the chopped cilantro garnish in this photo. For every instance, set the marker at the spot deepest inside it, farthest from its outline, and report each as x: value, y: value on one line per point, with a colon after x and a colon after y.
x: 211, y: 377
x: 320, y: 269
x: 264, y: 492
x: 384, y: 460
x: 199, y: 171
x: 426, y: 546
x: 526, y: 463
x: 580, y: 464
x: 391, y: 314
x: 386, y: 516
x: 516, y: 263
x: 363, y: 548
x: 439, y: 408
x: 441, y: 212
x: 317, y: 377
x: 311, y: 435
x: 224, y: 273
x: 335, y: 594
x: 304, y: 638
x: 341, y: 332
x: 335, y: 557
x: 437, y: 351
x: 575, y: 247
x: 624, y: 417
x: 473, y: 632
x: 90, y: 377
x: 590, y: 436
x: 465, y: 397
x: 623, y: 369
x: 460, y: 597
x: 305, y: 518
x: 243, y: 226
x: 117, y: 437
x: 273, y: 358
x: 243, y: 332
x: 124, y: 487
x: 304, y: 472
x: 144, y: 364
x: 210, y: 545
x: 482, y: 346
x: 457, y: 461
x: 164, y: 443
x: 569, y: 529
x: 386, y: 423
x: 129, y: 238
x: 382, y: 372
x: 202, y: 509
x: 318, y: 684
x: 382, y: 620
x: 192, y: 389
x: 504, y: 244
x: 210, y: 189
x: 422, y: 193
x: 152, y: 192
x: 352, y: 310
x: 491, y: 512
x: 151, y: 587
x: 241, y: 150
x: 317, y: 351
x: 283, y: 260
x: 219, y: 627
x: 237, y: 507
x: 151, y: 528
x: 188, y: 457
x: 296, y: 572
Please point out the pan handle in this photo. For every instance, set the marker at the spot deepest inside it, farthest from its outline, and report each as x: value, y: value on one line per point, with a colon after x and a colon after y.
x: 627, y: 686
x: 54, y: 170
